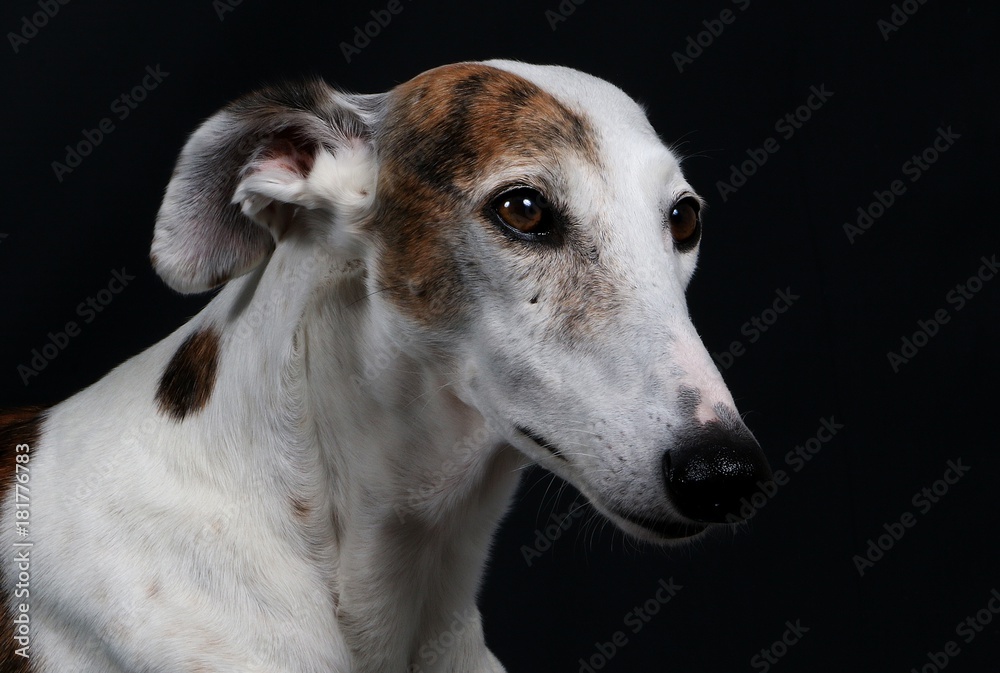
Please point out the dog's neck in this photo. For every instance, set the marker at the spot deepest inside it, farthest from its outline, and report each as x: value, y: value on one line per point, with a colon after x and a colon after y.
x: 398, y: 485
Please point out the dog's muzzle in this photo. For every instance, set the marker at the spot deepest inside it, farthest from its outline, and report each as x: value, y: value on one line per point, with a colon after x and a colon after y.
x: 708, y: 480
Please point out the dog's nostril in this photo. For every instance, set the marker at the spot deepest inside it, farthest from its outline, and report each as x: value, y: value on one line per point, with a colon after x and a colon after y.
x: 708, y: 482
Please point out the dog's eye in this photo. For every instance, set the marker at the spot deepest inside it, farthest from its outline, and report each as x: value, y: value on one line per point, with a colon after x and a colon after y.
x: 685, y: 223
x: 525, y: 211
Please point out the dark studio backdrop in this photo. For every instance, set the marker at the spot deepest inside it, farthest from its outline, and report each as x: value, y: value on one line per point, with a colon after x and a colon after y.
x: 847, y: 288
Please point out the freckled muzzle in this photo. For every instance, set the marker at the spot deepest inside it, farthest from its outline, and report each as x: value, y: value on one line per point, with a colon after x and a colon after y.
x: 707, y: 480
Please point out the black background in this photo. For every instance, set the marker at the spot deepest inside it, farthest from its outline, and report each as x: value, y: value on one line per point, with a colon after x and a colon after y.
x: 825, y: 357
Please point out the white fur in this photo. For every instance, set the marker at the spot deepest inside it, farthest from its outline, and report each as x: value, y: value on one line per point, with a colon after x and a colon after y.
x: 173, y: 547
x: 342, y: 183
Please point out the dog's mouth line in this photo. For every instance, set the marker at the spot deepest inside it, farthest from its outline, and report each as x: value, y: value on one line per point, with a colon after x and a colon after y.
x: 542, y: 442
x: 667, y: 529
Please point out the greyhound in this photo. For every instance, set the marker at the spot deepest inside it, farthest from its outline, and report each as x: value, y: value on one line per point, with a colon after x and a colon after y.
x: 422, y: 292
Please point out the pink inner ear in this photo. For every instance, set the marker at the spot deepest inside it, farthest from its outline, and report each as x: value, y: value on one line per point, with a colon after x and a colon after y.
x: 284, y: 153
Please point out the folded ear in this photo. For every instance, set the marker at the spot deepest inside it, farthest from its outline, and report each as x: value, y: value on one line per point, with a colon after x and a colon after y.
x: 244, y: 172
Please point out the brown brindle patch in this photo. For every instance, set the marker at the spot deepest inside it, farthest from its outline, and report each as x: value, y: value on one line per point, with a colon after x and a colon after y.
x: 17, y: 426
x: 302, y: 509
x: 153, y: 590
x: 188, y: 380
x: 445, y: 132
x: 583, y: 297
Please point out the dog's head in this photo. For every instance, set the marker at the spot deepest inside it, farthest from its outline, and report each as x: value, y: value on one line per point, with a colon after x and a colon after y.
x: 525, y: 226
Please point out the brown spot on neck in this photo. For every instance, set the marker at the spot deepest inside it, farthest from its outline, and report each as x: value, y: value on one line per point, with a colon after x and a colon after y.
x: 301, y: 508
x: 188, y: 381
x: 153, y: 590
x: 17, y: 427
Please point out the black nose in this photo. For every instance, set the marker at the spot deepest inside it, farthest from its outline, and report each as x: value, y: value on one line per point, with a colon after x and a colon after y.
x: 709, y: 480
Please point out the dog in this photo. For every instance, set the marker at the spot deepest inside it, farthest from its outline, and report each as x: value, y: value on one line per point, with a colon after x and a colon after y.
x: 420, y: 293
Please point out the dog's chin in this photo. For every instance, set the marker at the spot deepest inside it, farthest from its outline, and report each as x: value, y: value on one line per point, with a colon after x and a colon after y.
x: 656, y: 530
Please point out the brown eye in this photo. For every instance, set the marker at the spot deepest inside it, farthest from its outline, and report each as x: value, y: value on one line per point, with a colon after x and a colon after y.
x: 525, y: 211
x: 685, y: 223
